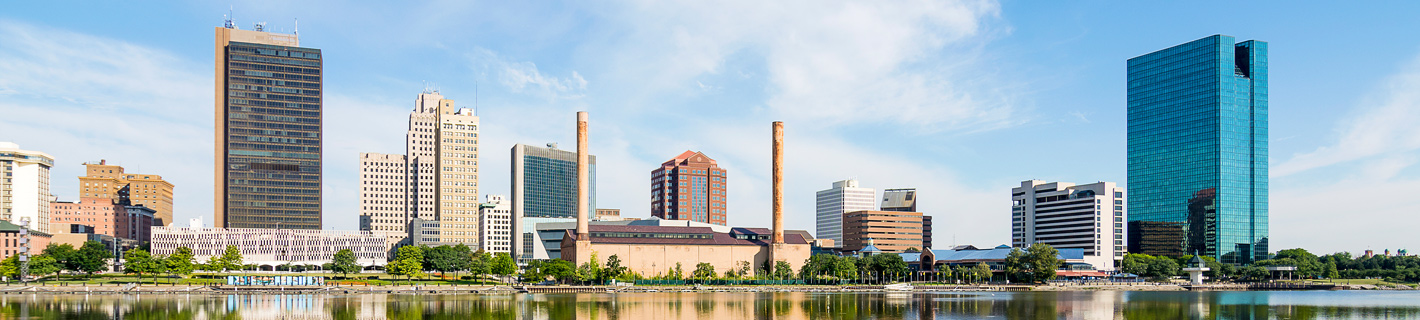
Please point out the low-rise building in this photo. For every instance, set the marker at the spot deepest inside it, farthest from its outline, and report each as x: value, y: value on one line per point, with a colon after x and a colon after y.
x: 16, y: 240
x: 272, y: 247
x: 654, y: 250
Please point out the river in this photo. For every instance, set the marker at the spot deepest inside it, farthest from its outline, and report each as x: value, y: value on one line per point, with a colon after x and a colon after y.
x: 724, y: 306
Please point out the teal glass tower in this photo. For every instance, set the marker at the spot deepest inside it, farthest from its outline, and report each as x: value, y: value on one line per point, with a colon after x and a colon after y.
x: 1197, y: 150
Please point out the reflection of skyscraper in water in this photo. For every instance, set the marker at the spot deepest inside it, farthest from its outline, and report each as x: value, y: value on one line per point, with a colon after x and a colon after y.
x: 1203, y: 223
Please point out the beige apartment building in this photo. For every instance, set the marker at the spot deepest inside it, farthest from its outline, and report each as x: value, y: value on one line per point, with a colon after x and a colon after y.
x: 103, y: 180
x: 435, y: 180
x: 889, y: 231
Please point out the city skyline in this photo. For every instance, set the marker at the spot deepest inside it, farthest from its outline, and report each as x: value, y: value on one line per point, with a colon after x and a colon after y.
x: 898, y: 104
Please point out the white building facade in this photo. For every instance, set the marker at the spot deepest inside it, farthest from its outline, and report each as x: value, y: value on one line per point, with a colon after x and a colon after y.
x: 1064, y: 215
x: 496, y: 225
x: 845, y: 196
x: 24, y: 186
x: 272, y: 247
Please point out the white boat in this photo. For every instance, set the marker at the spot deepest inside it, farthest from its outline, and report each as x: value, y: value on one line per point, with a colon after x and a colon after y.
x: 898, y: 287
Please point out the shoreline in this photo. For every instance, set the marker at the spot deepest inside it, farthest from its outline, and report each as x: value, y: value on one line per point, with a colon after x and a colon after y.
x: 505, y: 289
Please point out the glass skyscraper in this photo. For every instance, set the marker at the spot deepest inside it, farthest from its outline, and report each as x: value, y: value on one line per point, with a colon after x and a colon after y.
x: 1198, y: 149
x: 268, y: 131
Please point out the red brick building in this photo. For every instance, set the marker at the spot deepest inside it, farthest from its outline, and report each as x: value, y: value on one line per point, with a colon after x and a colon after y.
x: 689, y: 187
x: 103, y: 216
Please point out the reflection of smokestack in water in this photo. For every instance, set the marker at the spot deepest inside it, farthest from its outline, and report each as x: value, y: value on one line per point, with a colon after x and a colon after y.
x: 778, y: 182
x: 582, y: 176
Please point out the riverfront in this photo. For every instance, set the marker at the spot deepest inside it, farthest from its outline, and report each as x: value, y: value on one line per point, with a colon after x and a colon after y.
x: 725, y: 305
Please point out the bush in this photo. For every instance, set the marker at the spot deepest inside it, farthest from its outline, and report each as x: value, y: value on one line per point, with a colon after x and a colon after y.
x: 466, y: 278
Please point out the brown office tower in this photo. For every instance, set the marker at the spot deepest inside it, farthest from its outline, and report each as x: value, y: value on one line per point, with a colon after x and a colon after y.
x: 104, y: 181
x: 890, y: 231
x: 689, y: 187
x: 268, y: 130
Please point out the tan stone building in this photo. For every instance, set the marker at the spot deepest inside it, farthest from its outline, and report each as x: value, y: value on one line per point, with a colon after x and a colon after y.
x: 103, y: 180
x: 890, y: 231
x: 653, y: 250
x: 435, y: 180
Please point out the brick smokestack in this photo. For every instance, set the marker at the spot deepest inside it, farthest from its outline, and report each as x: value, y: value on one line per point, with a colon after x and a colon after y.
x: 778, y: 182
x: 583, y: 183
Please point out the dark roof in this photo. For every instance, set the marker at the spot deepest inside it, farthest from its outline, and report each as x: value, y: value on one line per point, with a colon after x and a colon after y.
x: 801, y: 233
x: 648, y: 229
x: 722, y: 239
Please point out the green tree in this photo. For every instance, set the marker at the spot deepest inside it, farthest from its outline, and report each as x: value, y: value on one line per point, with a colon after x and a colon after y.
x: 503, y: 264
x: 888, y: 265
x: 912, y: 250
x: 962, y: 272
x: 443, y: 259
x: 464, y: 256
x: 944, y: 272
x: 213, y: 264
x: 91, y: 257
x: 480, y: 263
x: 231, y: 258
x: 744, y: 269
x: 10, y: 267
x: 1035, y: 264
x: 559, y: 269
x: 533, y: 271
x: 1331, y: 272
x: 676, y: 273
x: 44, y: 264
x: 704, y: 271
x: 344, y: 263
x: 614, y: 269
x: 139, y: 261
x: 181, y: 262
x: 1308, y: 264
x: 63, y: 254
x: 782, y: 270
x: 846, y: 268
x: 1256, y: 273
x: 408, y: 262
x: 981, y: 271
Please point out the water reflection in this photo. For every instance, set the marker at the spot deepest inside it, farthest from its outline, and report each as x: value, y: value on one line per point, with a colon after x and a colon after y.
x: 724, y: 305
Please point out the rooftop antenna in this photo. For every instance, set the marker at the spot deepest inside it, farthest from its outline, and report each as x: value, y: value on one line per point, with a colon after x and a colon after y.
x: 475, y: 98
x: 297, y: 30
x: 229, y: 24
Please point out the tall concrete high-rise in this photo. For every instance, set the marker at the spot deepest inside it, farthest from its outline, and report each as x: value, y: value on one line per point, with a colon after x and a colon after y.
x: 1197, y: 147
x: 24, y: 186
x: 268, y: 130
x: 544, y: 185
x: 689, y: 187
x: 436, y: 180
x: 1069, y: 216
x: 845, y: 196
x: 103, y: 180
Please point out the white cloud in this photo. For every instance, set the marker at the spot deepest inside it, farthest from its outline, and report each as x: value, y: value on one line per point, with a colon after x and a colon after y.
x: 524, y: 77
x: 82, y: 98
x: 910, y: 62
x: 1386, y: 125
x: 1358, y: 185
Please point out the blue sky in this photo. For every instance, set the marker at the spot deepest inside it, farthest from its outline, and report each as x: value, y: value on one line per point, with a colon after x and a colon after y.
x: 961, y: 100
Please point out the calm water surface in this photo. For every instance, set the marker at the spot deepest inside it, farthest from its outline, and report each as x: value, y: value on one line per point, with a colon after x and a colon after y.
x: 721, y: 306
